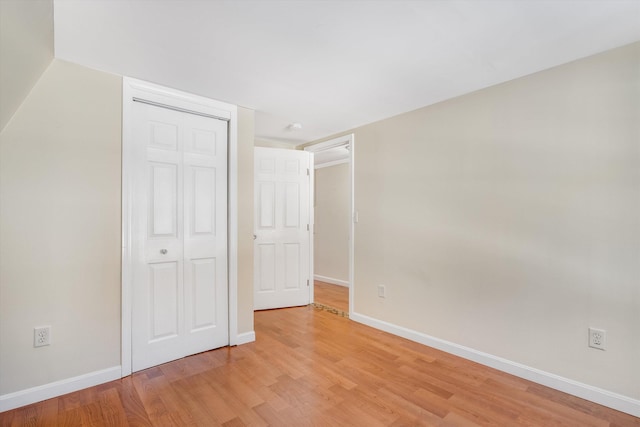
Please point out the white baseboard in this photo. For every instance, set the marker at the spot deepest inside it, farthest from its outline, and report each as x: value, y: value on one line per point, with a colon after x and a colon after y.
x: 58, y: 388
x: 69, y: 385
x: 331, y: 280
x: 575, y: 388
x: 246, y: 337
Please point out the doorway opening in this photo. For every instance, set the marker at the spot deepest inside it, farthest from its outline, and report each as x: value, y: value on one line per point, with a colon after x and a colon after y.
x: 333, y: 231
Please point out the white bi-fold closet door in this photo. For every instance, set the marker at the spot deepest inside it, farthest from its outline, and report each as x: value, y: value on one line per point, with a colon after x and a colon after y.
x: 179, y: 235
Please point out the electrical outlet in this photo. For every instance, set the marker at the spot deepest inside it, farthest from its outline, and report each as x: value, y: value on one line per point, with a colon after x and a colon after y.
x: 597, y: 338
x: 381, y: 291
x: 41, y: 336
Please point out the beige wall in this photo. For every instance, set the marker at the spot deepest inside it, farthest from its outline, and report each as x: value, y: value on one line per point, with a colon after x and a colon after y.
x: 245, y: 219
x: 508, y: 220
x: 60, y: 228
x: 26, y: 49
x: 272, y: 144
x: 331, y: 230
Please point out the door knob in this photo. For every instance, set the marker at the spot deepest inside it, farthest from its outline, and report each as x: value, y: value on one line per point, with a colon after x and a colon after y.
x: 163, y: 251
x: 254, y: 237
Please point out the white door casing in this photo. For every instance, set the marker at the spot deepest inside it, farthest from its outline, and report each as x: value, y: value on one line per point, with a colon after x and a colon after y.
x: 282, y: 227
x: 344, y: 141
x: 178, y: 246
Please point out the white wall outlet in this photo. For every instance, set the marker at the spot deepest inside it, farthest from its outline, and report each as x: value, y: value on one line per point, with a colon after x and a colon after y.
x: 381, y: 291
x: 597, y: 338
x: 41, y: 336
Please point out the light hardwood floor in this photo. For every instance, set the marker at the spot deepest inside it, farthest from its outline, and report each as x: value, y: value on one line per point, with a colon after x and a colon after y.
x: 309, y: 367
x: 331, y: 295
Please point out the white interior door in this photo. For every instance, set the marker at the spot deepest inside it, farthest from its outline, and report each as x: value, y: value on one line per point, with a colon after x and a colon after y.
x: 282, y: 226
x: 179, y: 235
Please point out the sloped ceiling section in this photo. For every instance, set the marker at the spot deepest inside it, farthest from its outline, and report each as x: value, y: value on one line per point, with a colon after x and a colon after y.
x: 26, y: 50
x: 337, y: 65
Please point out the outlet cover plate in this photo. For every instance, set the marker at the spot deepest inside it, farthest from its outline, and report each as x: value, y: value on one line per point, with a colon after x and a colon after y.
x: 597, y: 338
x: 41, y: 336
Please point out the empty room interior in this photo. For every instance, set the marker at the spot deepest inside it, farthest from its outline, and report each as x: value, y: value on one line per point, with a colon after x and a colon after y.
x: 358, y: 213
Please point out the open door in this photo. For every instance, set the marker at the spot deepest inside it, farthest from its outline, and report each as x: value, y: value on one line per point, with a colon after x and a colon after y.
x: 282, y: 227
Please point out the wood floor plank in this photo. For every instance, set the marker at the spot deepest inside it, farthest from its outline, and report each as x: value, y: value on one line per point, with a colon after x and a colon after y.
x: 309, y: 367
x: 132, y: 404
x: 454, y: 419
x: 335, y: 296
x: 409, y: 412
x: 372, y: 403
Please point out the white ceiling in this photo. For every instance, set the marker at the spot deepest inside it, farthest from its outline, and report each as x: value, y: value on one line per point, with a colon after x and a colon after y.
x: 335, y: 65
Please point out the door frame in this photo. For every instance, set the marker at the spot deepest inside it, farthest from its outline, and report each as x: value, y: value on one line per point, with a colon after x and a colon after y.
x: 189, y: 103
x: 350, y: 141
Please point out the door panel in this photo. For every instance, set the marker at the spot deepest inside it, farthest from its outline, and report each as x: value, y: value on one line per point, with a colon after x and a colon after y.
x: 205, y: 242
x: 163, y: 300
x: 266, y: 258
x: 282, y: 228
x: 179, y: 229
x: 292, y: 266
x: 163, y: 135
x: 267, y: 202
x: 202, y: 141
x: 203, y: 196
x: 292, y: 205
x: 202, y: 296
x: 163, y: 185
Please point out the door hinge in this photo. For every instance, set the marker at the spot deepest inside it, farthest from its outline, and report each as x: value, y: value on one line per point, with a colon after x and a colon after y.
x: 307, y: 282
x: 308, y: 227
x: 308, y: 173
